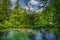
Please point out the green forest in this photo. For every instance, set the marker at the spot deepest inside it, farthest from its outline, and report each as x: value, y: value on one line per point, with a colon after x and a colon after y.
x: 18, y: 18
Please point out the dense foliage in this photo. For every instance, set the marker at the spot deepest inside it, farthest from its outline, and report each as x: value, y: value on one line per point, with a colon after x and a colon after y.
x: 19, y: 18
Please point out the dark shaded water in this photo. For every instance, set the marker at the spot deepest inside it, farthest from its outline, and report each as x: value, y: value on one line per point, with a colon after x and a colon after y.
x: 35, y: 35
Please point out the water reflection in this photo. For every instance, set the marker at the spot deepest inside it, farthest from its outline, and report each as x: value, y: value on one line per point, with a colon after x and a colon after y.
x: 50, y: 36
x: 35, y: 35
x: 38, y: 35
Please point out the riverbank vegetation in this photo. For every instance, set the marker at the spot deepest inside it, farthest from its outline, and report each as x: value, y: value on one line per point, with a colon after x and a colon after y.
x: 18, y: 18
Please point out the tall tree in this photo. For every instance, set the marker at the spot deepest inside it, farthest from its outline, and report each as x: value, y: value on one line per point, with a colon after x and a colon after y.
x: 56, y: 4
x: 17, y: 16
x: 4, y: 11
x: 6, y: 8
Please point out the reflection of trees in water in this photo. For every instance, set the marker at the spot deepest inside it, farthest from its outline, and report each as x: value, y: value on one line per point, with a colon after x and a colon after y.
x: 43, y: 36
x: 31, y: 36
x: 34, y: 35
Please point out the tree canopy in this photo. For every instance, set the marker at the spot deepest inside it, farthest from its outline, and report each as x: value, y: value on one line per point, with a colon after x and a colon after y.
x: 19, y: 18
